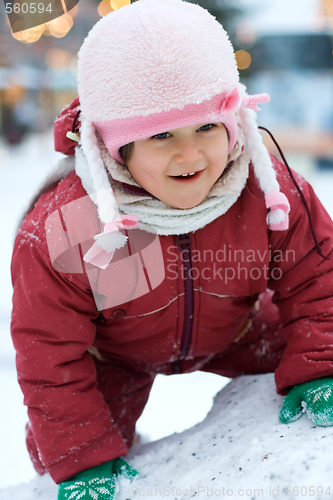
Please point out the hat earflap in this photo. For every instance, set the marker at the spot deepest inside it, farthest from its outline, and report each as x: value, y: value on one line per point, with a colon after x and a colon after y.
x: 277, y: 202
x: 102, y: 251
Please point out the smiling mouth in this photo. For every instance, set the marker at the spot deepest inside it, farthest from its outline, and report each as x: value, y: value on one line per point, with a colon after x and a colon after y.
x: 190, y: 175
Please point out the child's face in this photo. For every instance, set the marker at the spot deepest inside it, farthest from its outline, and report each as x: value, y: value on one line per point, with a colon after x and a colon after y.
x: 157, y: 161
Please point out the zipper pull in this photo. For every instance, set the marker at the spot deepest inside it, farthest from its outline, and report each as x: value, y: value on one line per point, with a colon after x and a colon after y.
x: 183, y: 239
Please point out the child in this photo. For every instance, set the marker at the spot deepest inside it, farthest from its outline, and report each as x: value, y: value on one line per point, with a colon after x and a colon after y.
x: 171, y: 262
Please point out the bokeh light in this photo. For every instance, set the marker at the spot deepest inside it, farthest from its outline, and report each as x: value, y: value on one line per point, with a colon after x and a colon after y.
x: 243, y: 59
x: 324, y: 18
x: 13, y: 94
x: 30, y: 35
x: 60, y: 27
x: 328, y: 6
x: 246, y: 32
x: 58, y: 58
x: 118, y: 4
x: 104, y: 8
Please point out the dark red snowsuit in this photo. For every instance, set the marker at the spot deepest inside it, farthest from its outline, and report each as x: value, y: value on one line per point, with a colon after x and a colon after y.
x: 83, y: 403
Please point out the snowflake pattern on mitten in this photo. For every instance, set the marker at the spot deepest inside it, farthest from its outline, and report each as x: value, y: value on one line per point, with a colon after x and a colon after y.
x: 97, y: 483
x: 96, y: 489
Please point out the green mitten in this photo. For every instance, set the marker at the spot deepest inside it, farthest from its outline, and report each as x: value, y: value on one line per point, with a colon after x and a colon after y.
x: 97, y: 483
x: 314, y: 397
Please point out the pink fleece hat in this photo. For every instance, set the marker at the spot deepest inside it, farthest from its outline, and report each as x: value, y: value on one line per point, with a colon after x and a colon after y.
x: 154, y: 66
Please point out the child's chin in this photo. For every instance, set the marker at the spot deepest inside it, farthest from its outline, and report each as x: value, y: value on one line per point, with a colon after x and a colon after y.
x: 185, y: 206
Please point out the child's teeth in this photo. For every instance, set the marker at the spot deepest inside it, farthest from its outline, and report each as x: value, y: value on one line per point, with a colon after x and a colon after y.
x: 186, y: 175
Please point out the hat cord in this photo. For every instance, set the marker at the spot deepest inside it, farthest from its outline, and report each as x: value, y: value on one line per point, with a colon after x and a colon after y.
x: 319, y: 251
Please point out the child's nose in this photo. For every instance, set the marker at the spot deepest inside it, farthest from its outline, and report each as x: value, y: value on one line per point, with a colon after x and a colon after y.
x: 188, y: 151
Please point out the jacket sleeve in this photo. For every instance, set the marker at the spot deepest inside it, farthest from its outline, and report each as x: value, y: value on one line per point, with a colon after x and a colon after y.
x: 303, y: 284
x: 52, y: 328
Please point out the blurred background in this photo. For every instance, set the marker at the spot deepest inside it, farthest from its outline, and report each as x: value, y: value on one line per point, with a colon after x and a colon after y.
x: 283, y: 47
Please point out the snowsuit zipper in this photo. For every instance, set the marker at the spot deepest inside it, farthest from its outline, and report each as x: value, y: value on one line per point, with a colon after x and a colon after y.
x: 184, y: 241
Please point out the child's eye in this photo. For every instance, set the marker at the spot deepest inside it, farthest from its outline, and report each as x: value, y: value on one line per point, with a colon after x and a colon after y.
x: 163, y: 135
x: 158, y: 136
x: 210, y: 125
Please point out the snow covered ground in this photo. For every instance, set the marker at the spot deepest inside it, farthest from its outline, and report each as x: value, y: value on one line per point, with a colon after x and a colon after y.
x: 241, y: 459
x: 240, y: 450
